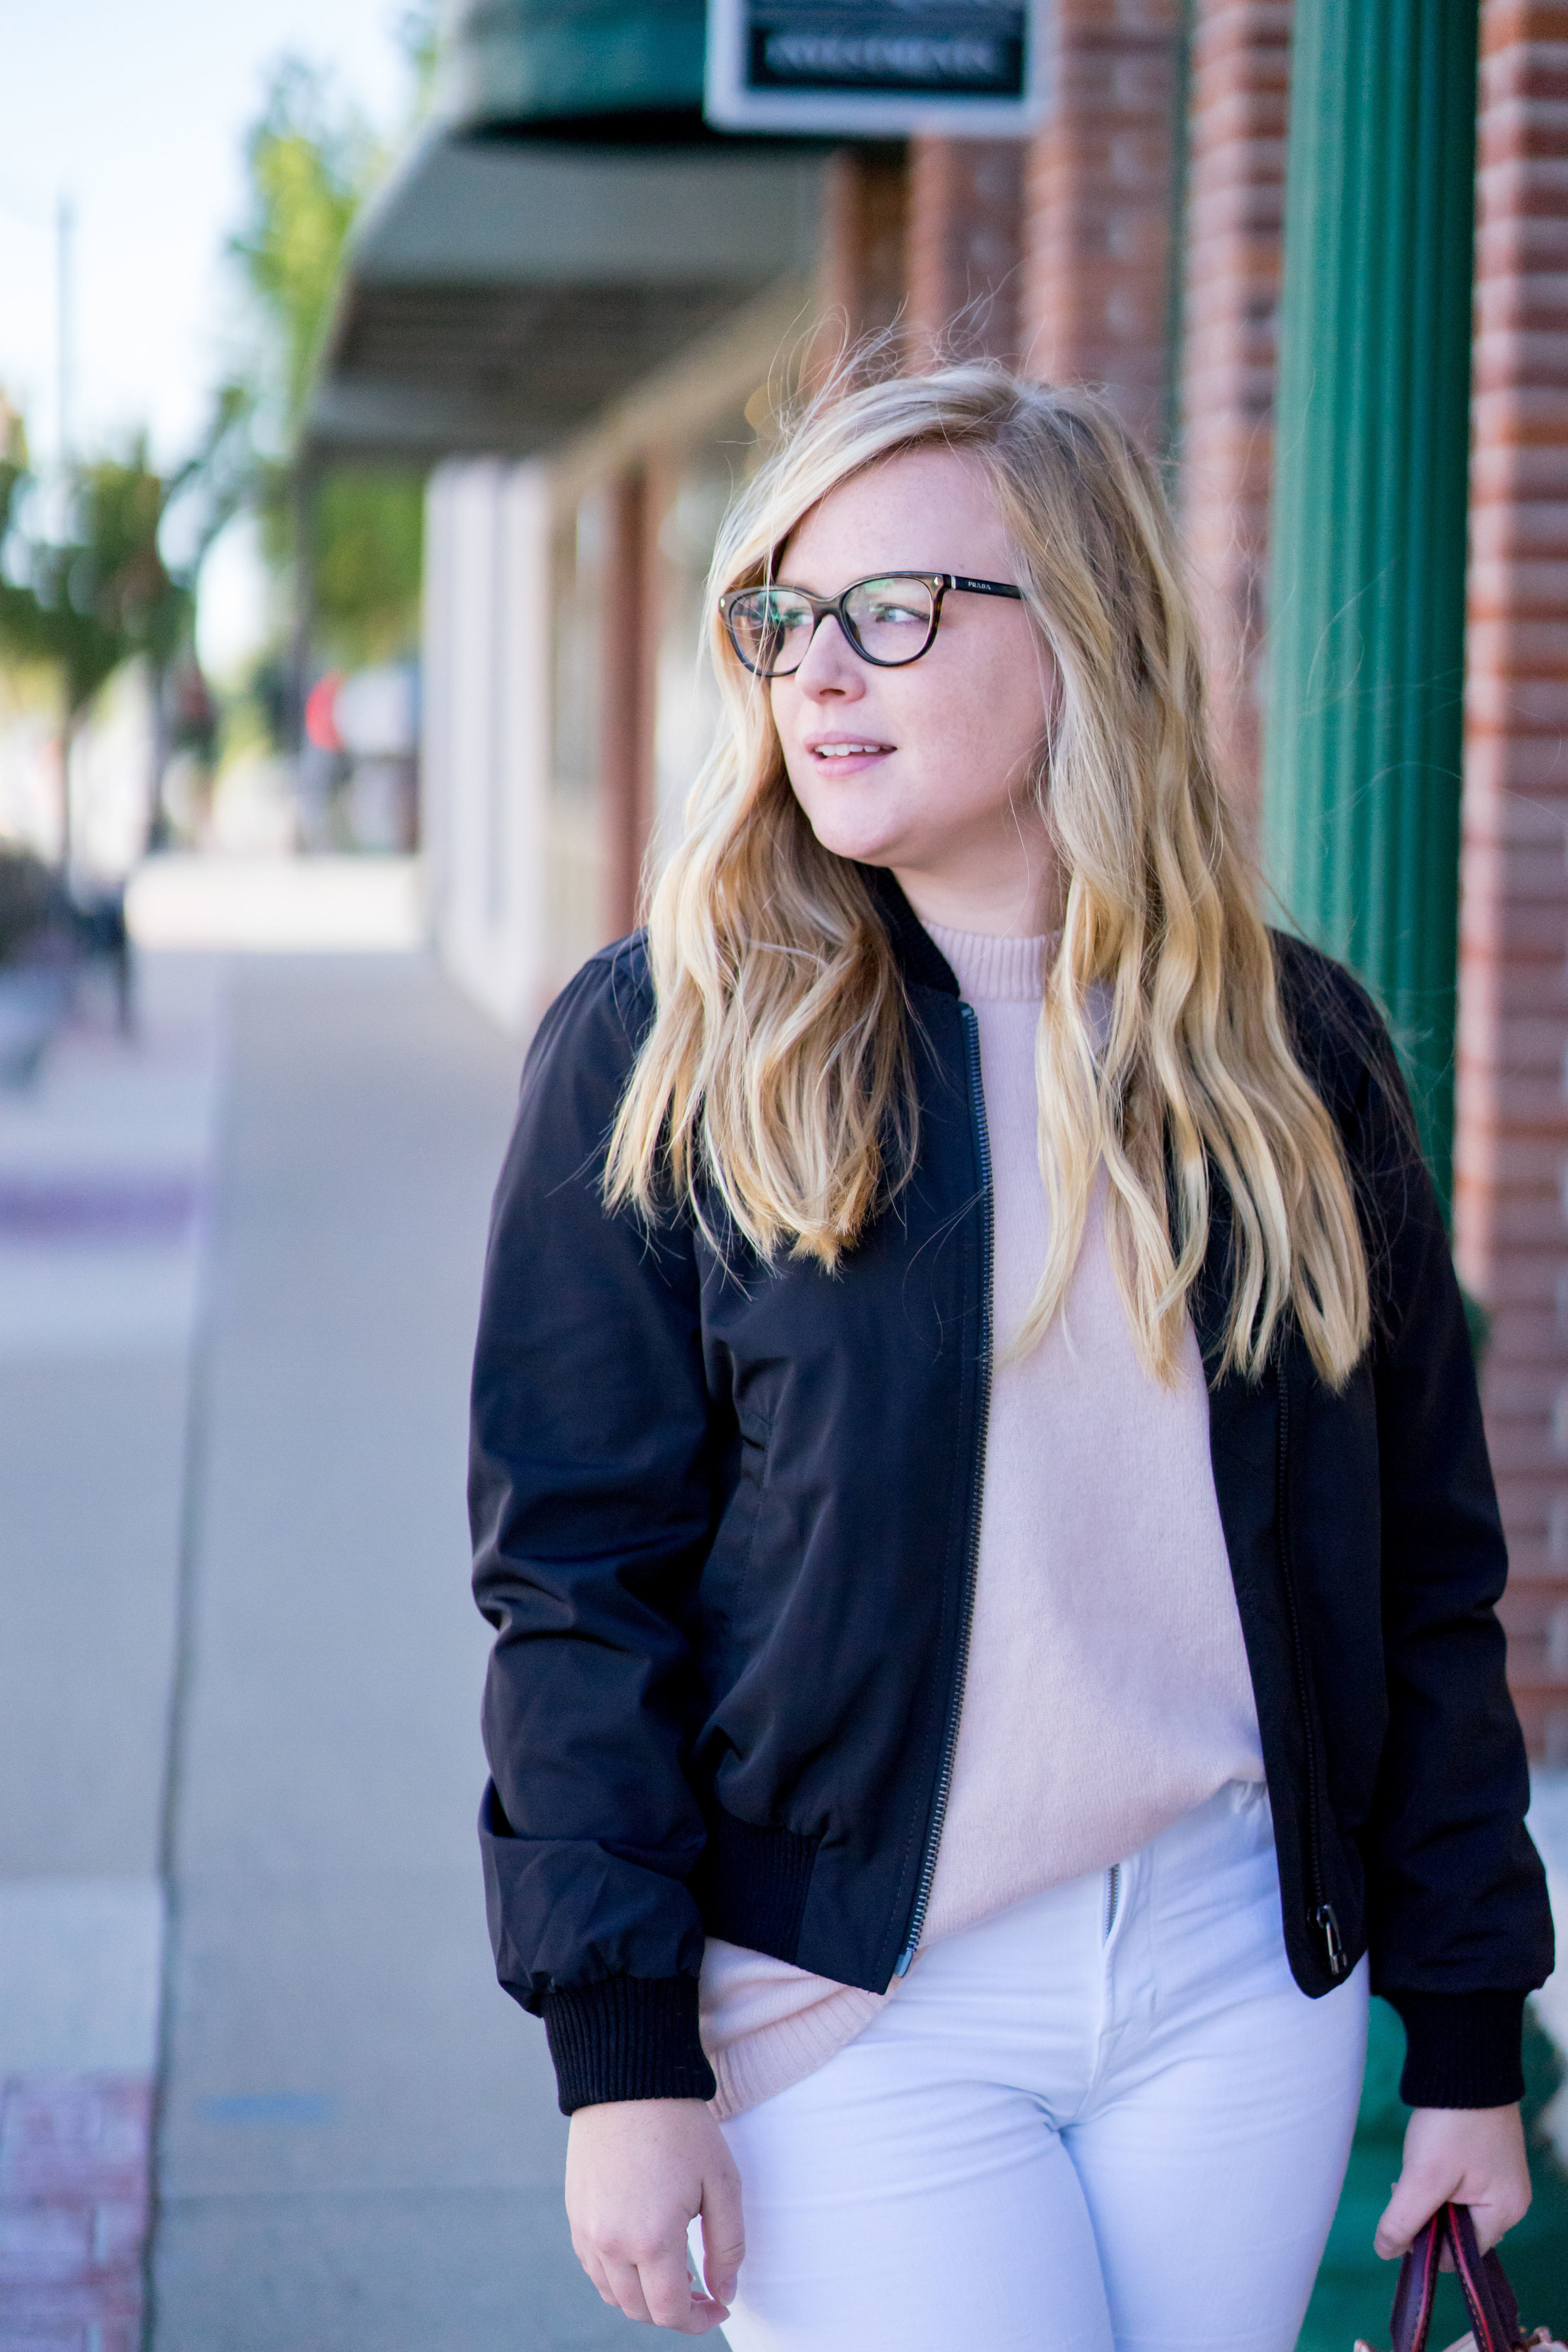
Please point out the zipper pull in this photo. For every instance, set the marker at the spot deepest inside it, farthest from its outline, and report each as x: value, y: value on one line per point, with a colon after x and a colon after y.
x: 901, y: 1966
x: 1328, y: 1927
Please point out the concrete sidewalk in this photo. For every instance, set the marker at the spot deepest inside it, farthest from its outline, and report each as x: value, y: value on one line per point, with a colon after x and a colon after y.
x: 360, y: 2143
x: 104, y: 1178
x: 240, y: 1681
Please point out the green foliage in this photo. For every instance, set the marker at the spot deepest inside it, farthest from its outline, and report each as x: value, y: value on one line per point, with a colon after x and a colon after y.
x: 309, y: 168
x: 88, y: 599
x: 217, y: 478
x: 368, y: 531
x: 1478, y: 1324
x: 418, y: 34
x: 310, y: 160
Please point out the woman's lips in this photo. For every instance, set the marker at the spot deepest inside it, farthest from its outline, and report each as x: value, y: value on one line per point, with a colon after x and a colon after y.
x: 846, y: 755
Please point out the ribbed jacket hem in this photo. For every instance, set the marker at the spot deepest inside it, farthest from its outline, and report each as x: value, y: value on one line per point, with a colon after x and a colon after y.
x: 1463, y: 2049
x: 626, y: 2038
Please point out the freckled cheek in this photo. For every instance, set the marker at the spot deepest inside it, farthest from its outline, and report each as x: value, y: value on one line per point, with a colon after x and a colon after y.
x: 801, y: 769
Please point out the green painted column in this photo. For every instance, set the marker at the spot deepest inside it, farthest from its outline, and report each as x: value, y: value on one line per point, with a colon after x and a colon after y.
x: 1362, y: 744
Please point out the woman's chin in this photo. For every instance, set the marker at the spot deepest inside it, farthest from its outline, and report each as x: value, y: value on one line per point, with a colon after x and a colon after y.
x: 866, y: 843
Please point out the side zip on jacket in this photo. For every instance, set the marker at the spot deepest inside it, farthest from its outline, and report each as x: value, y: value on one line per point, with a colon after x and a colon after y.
x: 1321, y: 1918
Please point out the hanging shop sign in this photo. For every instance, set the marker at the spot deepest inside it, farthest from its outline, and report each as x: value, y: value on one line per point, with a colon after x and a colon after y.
x: 877, y: 68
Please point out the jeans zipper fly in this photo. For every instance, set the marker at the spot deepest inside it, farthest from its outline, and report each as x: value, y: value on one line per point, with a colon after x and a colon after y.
x: 972, y: 1563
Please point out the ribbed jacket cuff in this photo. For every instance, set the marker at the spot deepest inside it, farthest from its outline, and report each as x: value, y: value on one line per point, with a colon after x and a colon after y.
x: 626, y: 2038
x: 1463, y: 2049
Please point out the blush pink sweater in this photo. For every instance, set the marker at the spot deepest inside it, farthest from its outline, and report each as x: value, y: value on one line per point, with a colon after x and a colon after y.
x: 1108, y: 1691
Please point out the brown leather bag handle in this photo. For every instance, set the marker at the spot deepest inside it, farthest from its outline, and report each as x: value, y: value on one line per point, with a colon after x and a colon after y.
x: 1488, y: 2298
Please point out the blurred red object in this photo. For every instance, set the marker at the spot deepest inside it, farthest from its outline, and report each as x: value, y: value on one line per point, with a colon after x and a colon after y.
x: 321, y: 712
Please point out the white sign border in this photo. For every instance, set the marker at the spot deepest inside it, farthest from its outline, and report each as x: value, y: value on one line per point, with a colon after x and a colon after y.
x: 729, y: 105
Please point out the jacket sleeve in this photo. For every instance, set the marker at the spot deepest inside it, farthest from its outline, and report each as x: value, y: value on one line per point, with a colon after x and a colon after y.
x: 591, y: 1498
x: 1460, y: 1926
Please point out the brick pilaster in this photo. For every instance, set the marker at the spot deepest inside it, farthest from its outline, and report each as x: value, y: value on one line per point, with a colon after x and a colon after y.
x: 864, y: 238
x: 75, y: 2152
x: 1511, y: 1161
x: 965, y: 228
x: 1096, y: 235
x: 1237, y: 128
x: 630, y: 622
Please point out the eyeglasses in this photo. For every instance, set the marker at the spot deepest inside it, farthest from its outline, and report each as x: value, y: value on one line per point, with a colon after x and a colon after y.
x: 890, y: 619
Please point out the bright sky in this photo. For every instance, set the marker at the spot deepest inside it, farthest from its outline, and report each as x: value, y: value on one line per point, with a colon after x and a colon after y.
x: 135, y: 111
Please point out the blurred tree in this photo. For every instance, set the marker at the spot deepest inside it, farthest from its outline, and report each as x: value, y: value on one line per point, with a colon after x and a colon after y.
x: 348, y: 541
x: 99, y: 591
x: 419, y: 31
x: 367, y: 558
x: 19, y: 606
x: 309, y: 167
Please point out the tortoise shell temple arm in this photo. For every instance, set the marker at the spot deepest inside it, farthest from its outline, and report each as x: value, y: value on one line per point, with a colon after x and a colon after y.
x: 984, y: 587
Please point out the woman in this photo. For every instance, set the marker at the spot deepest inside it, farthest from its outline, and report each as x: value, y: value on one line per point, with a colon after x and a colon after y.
x: 978, y: 1480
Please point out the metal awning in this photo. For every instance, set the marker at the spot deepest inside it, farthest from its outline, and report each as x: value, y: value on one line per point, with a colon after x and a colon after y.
x: 532, y: 61
x: 500, y: 292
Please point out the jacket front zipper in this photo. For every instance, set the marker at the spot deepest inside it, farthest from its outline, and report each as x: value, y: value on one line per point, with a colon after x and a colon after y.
x: 972, y: 1564
x: 1320, y: 1917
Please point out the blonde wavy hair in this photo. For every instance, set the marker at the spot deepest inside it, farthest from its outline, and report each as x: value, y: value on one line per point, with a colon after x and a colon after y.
x: 773, y: 1094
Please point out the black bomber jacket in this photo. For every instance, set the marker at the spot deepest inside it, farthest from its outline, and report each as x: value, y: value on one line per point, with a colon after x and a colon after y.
x: 725, y: 1517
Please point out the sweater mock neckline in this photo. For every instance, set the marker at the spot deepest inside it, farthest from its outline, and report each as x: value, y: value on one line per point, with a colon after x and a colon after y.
x: 991, y: 971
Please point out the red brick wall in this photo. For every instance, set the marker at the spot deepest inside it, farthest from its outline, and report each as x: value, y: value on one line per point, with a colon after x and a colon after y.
x: 1238, y: 119
x: 965, y: 243
x: 1511, y: 1174
x: 627, y: 695
x: 864, y: 244
x: 75, y: 2160
x: 1097, y: 234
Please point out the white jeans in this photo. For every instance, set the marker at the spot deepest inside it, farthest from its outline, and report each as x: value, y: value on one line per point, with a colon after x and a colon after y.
x: 1105, y: 2117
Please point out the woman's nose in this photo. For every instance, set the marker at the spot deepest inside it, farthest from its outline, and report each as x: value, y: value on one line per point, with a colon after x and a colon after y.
x: 830, y: 666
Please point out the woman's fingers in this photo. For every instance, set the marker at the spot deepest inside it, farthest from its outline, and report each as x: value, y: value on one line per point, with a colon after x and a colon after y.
x: 1416, y: 2198
x: 632, y: 2291
x: 1495, y: 2216
x: 596, y: 2270
x: 1472, y: 2156
x: 723, y: 2230
x: 659, y: 2289
x: 626, y: 2290
x: 636, y: 2173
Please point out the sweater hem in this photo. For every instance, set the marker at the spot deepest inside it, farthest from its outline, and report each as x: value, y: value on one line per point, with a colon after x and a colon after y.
x: 774, y: 2058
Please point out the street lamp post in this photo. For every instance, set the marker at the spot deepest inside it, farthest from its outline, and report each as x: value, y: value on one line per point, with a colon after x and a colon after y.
x: 1362, y: 762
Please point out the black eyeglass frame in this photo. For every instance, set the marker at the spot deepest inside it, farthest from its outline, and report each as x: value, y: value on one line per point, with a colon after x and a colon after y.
x: 938, y: 582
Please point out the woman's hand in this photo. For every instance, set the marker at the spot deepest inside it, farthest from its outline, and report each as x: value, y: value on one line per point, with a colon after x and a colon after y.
x: 1463, y: 2156
x: 638, y: 2172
